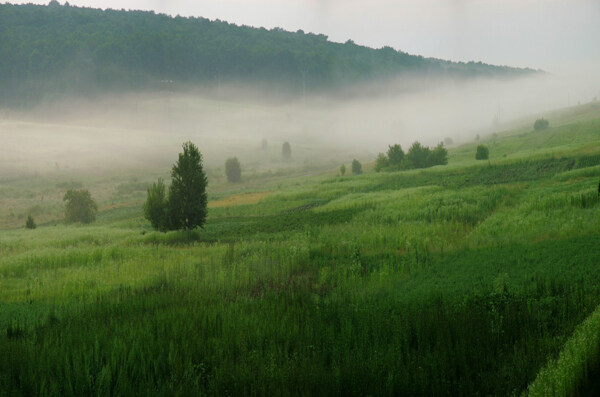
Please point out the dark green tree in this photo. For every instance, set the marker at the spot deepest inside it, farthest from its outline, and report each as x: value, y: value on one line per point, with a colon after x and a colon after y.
x: 541, y: 124
x: 79, y: 207
x: 233, y: 170
x: 342, y: 170
x: 438, y: 156
x: 418, y: 155
x: 187, y: 203
x: 382, y: 162
x: 483, y: 153
x: 395, y: 155
x: 30, y: 223
x: 286, y: 151
x: 356, y: 167
x: 156, y: 206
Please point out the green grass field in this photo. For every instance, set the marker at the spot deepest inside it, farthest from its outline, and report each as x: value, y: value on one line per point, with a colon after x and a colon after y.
x: 475, y: 278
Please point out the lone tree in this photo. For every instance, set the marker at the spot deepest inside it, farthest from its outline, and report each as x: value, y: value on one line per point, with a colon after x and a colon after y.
x: 286, y: 151
x: 483, y: 153
x: 185, y: 206
x: 356, y: 167
x: 233, y: 170
x: 187, y: 193
x: 342, y: 169
x: 30, y: 223
x: 541, y: 124
x: 80, y: 207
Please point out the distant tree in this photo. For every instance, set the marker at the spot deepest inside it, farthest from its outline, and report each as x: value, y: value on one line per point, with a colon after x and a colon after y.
x: 233, y: 170
x: 418, y: 155
x: 448, y: 141
x: 342, y: 170
x: 264, y: 144
x: 30, y: 223
x: 541, y: 124
x: 477, y: 137
x: 187, y: 203
x: 395, y: 155
x: 483, y: 153
x: 382, y: 162
x: 79, y: 207
x: 286, y: 151
x: 356, y: 167
x: 438, y: 156
x: 156, y: 206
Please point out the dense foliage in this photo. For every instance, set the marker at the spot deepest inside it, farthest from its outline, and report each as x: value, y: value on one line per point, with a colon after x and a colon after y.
x: 233, y: 169
x: 79, y: 206
x: 56, y: 50
x: 30, y: 222
x: 482, y: 153
x: 156, y: 206
x: 418, y: 156
x: 356, y: 167
x: 541, y: 124
x: 186, y: 204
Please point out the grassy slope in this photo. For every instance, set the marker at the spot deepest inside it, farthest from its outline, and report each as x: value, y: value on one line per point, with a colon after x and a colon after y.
x: 461, y: 279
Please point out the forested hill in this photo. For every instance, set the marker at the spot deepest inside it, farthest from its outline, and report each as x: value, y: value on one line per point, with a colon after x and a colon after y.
x: 58, y: 49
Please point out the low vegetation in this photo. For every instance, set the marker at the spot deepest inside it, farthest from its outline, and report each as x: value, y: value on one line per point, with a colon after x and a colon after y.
x: 418, y: 156
x: 479, y: 278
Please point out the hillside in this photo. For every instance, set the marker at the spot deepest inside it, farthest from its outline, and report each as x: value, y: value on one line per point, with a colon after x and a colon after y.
x: 55, y: 50
x: 475, y: 278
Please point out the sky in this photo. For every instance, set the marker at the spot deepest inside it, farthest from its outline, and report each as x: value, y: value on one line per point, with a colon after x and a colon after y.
x: 559, y: 36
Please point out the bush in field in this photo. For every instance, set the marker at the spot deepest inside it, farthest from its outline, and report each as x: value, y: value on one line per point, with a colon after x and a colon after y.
x: 80, y: 207
x: 233, y: 170
x: 395, y: 155
x: 186, y: 204
x: 286, y: 151
x: 356, y: 167
x: 155, y: 207
x: 541, y: 124
x: 418, y: 155
x: 30, y: 223
x: 438, y: 156
x: 382, y: 162
x: 342, y: 170
x: 483, y: 153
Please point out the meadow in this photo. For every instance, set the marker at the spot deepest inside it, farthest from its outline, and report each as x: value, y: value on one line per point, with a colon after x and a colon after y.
x: 475, y: 278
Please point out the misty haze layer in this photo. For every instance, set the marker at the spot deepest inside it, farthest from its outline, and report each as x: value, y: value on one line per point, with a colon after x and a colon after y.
x: 147, y: 130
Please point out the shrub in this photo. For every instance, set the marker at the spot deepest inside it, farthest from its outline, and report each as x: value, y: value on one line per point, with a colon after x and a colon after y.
x: 233, y: 170
x: 418, y: 155
x: 286, y: 151
x: 541, y: 124
x: 30, y: 223
x: 356, y: 167
x: 342, y: 169
x: 438, y: 156
x: 382, y: 162
x: 483, y: 153
x: 155, y: 207
x: 80, y: 207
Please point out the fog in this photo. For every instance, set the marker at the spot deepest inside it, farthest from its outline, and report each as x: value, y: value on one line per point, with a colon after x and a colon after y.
x: 145, y: 131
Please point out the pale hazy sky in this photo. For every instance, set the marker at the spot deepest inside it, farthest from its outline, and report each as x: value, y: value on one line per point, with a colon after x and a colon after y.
x: 560, y: 36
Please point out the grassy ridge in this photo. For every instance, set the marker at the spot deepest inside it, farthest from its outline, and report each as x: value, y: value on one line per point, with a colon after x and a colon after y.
x: 462, y: 280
